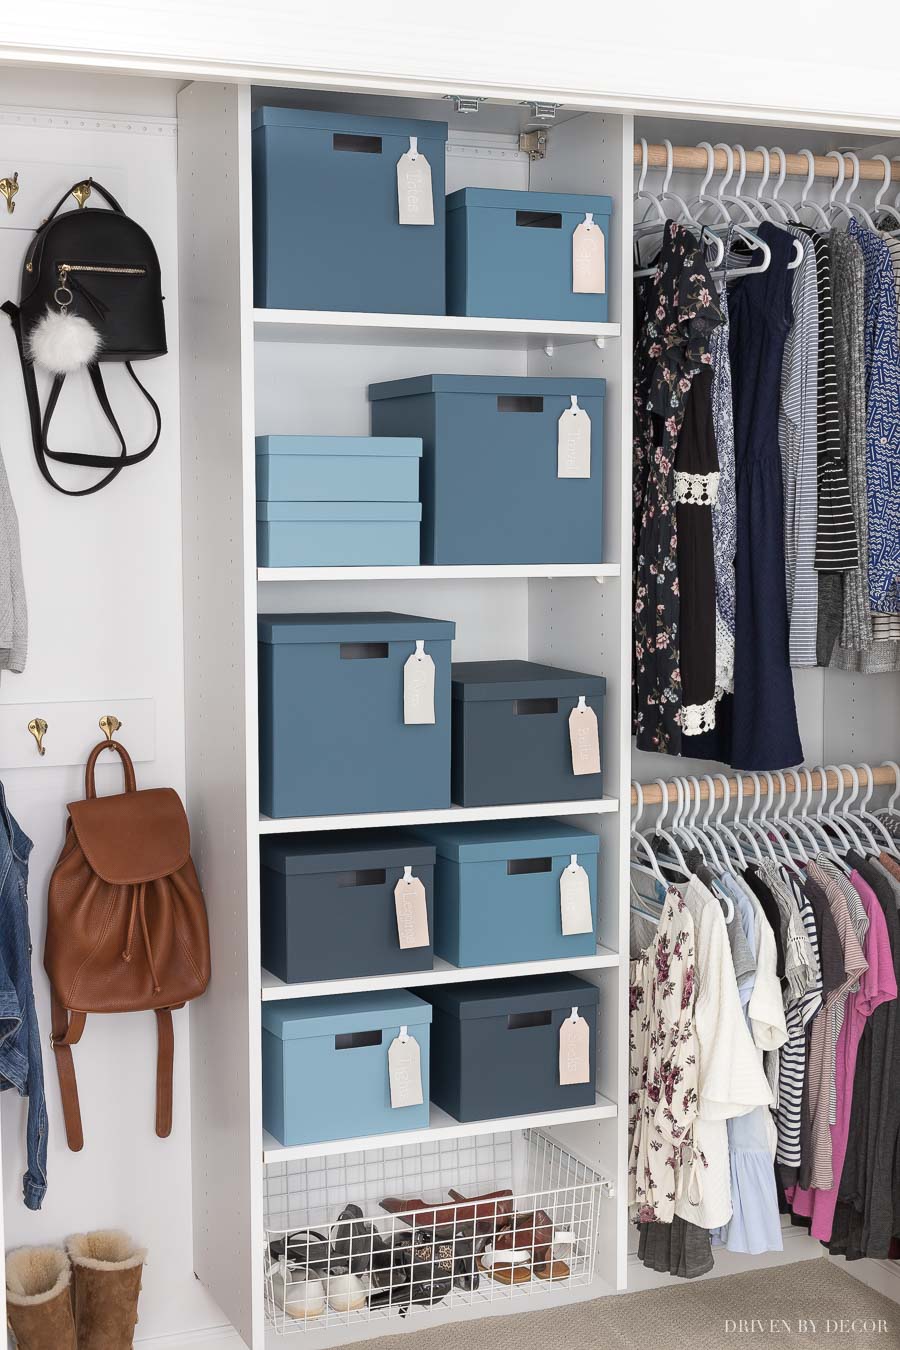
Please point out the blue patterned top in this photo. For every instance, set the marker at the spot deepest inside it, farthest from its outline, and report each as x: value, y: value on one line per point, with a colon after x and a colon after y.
x: 882, y: 359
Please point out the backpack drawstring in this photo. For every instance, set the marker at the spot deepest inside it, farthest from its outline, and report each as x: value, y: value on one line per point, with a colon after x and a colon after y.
x: 139, y: 906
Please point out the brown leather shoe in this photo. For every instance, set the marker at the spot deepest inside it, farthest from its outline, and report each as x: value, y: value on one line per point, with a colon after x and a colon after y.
x: 489, y: 1211
x: 534, y: 1231
x: 38, y: 1298
x: 107, y: 1269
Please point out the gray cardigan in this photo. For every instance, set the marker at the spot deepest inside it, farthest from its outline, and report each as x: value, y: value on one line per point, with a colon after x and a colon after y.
x: 13, y: 609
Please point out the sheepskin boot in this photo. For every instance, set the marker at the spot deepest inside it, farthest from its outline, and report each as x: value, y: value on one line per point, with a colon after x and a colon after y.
x: 106, y: 1270
x: 38, y: 1299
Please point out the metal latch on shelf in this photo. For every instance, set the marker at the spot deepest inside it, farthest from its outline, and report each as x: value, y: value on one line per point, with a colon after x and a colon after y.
x: 542, y: 110
x: 465, y: 103
x: 534, y: 143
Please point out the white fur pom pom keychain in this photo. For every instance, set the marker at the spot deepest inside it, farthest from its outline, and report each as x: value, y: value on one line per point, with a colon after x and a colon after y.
x: 63, y: 342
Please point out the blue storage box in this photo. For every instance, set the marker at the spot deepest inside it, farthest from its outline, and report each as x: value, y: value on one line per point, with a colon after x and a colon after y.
x: 327, y: 903
x: 511, y: 733
x: 509, y: 254
x: 326, y: 231
x: 338, y: 534
x: 495, y: 1046
x: 332, y: 740
x: 337, y: 468
x: 497, y: 890
x: 490, y: 487
x: 325, y: 1065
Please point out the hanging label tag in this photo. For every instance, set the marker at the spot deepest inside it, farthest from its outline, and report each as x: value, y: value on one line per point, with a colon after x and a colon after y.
x: 584, y: 737
x: 412, y: 911
x: 414, y: 199
x: 574, y: 1050
x: 418, y: 688
x: 573, y: 448
x: 588, y: 258
x: 405, y: 1071
x: 575, y: 899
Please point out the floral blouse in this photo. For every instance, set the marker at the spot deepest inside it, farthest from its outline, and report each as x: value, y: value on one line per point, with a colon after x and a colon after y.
x: 675, y: 314
x: 663, y: 1063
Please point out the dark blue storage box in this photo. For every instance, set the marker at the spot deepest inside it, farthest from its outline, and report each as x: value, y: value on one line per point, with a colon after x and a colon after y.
x: 511, y: 733
x: 490, y: 487
x: 327, y: 904
x: 326, y: 231
x: 509, y: 254
x: 332, y: 740
x: 497, y: 890
x: 325, y: 1065
x: 495, y: 1046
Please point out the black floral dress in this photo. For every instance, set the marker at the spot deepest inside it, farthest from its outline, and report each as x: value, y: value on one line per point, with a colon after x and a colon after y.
x: 675, y: 313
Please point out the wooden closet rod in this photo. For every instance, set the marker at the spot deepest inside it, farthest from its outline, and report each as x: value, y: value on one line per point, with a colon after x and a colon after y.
x: 692, y: 157
x: 883, y: 775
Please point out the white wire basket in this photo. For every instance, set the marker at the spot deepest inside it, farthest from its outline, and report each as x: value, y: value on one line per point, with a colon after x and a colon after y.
x: 522, y: 1223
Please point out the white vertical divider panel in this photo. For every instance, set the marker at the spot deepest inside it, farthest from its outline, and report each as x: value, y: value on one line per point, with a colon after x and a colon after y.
x: 220, y: 662
x: 586, y: 625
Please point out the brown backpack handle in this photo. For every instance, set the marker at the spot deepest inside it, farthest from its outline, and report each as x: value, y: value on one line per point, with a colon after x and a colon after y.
x: 90, y: 789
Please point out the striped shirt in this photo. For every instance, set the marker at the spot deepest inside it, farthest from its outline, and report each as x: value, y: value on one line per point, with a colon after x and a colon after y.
x: 799, y: 1012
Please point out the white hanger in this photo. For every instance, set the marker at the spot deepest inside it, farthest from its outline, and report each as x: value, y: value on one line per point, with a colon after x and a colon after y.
x: 683, y: 218
x: 642, y: 195
x: 838, y: 823
x: 889, y: 809
x: 854, y: 182
x: 868, y: 815
x: 821, y: 819
x: 715, y: 842
x: 812, y: 824
x: 855, y: 820
x: 720, y: 826
x: 785, y: 822
x: 704, y: 200
x: 664, y: 834
x: 785, y: 209
x: 639, y: 843
x: 797, y: 258
x: 811, y: 206
x: 833, y: 204
x: 879, y: 204
x: 756, y: 825
x: 741, y: 825
x: 771, y: 824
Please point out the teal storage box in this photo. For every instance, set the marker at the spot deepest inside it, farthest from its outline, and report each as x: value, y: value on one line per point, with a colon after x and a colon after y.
x: 497, y: 890
x: 491, y: 492
x: 325, y: 1065
x: 495, y: 1046
x: 509, y: 254
x: 332, y: 739
x: 511, y: 733
x: 337, y: 468
x: 338, y: 534
x: 326, y: 220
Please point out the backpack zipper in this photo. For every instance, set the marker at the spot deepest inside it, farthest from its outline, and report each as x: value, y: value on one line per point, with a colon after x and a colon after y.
x: 66, y: 268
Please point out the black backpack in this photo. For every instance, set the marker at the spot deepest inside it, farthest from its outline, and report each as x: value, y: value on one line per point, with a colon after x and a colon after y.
x: 99, y: 269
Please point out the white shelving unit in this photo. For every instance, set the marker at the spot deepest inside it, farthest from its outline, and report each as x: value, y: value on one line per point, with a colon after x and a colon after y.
x: 249, y: 371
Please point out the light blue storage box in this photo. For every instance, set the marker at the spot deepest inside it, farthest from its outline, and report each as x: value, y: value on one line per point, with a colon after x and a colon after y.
x: 509, y: 254
x: 332, y: 740
x: 325, y: 1065
x: 326, y: 230
x: 337, y: 468
x: 338, y: 534
x: 497, y: 890
x: 490, y: 487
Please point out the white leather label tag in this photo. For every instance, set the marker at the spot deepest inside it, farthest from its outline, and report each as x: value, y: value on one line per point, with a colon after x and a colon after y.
x: 405, y: 1071
x: 574, y: 1050
x: 588, y: 258
x: 584, y: 737
x: 411, y: 904
x: 418, y: 688
x: 575, y: 899
x: 414, y: 198
x: 573, y: 447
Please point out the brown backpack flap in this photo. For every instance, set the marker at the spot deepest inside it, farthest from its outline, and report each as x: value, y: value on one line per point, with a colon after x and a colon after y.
x: 126, y: 924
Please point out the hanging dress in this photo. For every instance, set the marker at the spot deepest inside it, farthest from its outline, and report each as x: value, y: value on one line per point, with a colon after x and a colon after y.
x: 696, y: 487
x: 765, y: 733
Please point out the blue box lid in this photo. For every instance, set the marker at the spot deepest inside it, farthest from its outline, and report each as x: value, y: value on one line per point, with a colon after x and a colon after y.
x: 334, y: 447
x: 509, y: 199
x: 356, y: 627
x: 486, y: 840
x: 297, y: 1018
x: 319, y: 119
x: 334, y: 511
x: 497, y: 998
x: 491, y: 681
x: 517, y: 385
x: 343, y: 850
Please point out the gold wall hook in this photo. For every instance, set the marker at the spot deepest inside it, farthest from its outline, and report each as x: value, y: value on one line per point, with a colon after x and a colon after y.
x: 81, y: 192
x: 8, y: 188
x: 109, y: 724
x: 38, y: 728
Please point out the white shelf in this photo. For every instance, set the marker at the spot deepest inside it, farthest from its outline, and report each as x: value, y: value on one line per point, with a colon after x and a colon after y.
x: 462, y: 572
x: 423, y: 330
x: 274, y: 989
x: 441, y: 1126
x: 442, y: 816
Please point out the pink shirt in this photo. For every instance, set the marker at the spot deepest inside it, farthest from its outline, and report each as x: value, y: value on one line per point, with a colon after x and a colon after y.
x: 877, y: 985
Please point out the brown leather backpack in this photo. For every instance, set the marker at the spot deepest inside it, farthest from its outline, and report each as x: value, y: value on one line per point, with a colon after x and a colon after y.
x: 126, y: 925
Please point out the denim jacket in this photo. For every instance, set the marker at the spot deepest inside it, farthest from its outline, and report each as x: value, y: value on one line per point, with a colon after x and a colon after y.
x: 21, y: 1065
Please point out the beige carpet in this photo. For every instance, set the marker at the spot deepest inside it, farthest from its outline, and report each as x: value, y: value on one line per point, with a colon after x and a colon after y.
x: 705, y: 1315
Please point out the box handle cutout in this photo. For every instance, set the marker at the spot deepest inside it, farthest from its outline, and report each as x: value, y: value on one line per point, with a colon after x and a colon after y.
x: 539, y: 220
x: 357, y: 145
x: 364, y: 651
x: 372, y: 876
x: 516, y: 1021
x: 525, y: 403
x: 520, y: 867
x: 355, y: 1040
x: 529, y: 707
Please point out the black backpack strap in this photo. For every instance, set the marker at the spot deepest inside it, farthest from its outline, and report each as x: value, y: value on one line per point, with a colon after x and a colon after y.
x: 40, y: 425
x: 95, y: 187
